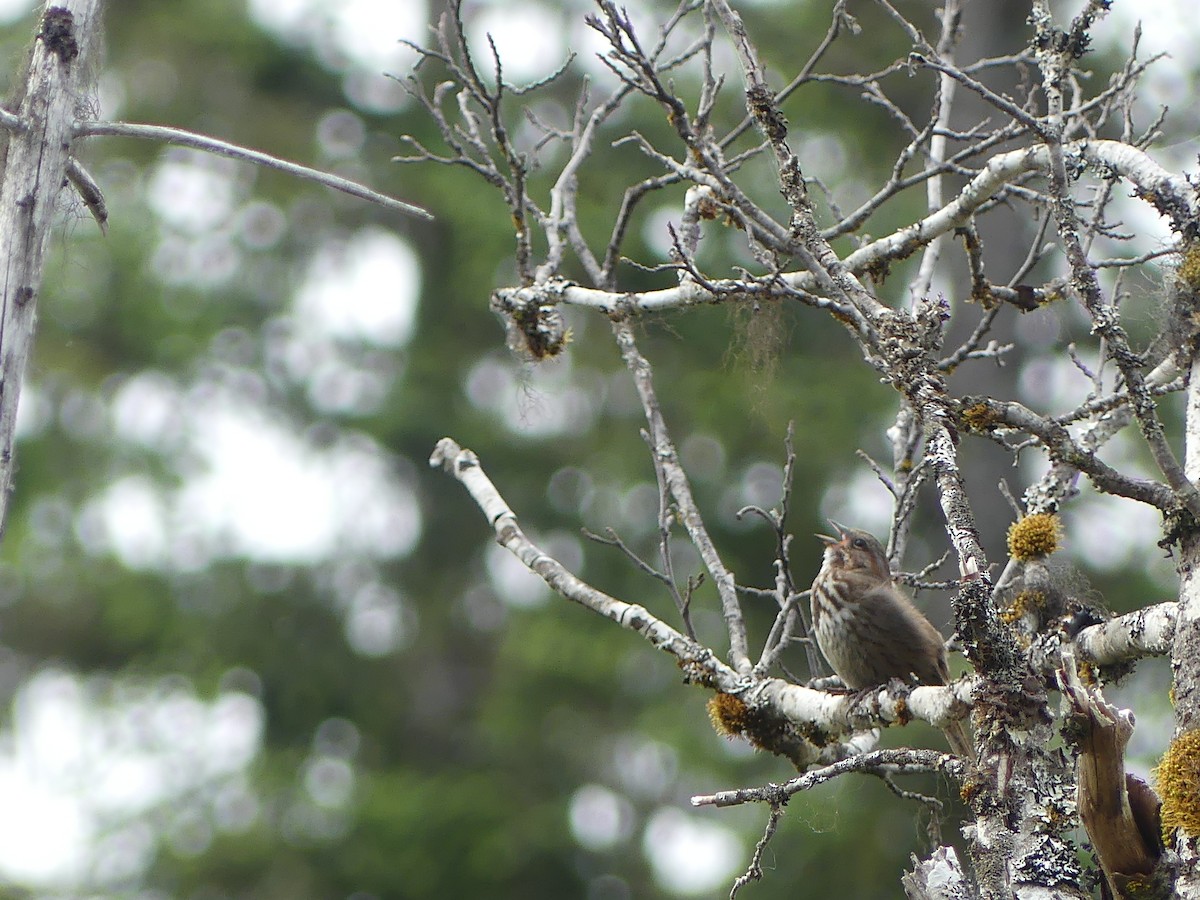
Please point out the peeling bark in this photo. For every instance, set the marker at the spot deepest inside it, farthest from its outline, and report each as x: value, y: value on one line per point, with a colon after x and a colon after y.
x: 1120, y: 814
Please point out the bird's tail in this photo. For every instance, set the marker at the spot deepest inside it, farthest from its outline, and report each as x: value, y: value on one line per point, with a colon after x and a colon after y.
x: 960, y: 742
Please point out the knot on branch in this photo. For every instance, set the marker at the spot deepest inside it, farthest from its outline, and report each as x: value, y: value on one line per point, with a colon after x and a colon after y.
x: 533, y: 330
x: 448, y: 455
x: 760, y: 100
x: 906, y: 344
x: 58, y: 33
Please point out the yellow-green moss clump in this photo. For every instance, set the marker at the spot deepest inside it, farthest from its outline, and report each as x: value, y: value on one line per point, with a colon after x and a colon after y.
x: 1177, y: 779
x: 1189, y: 266
x: 733, y: 717
x: 979, y: 417
x: 1033, y: 537
x: 729, y: 715
x: 1025, y: 602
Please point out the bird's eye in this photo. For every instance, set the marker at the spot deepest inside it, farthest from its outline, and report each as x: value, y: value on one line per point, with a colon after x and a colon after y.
x: 859, y: 543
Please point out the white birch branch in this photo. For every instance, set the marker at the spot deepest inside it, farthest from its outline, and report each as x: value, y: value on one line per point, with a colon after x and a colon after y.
x: 464, y: 465
x: 1170, y: 194
x: 890, y: 705
x: 1144, y: 632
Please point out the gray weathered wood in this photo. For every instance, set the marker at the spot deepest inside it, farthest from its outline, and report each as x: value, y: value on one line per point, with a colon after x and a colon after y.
x: 34, y: 174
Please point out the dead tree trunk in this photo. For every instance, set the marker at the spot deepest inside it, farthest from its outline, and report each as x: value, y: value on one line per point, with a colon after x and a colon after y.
x: 35, y: 172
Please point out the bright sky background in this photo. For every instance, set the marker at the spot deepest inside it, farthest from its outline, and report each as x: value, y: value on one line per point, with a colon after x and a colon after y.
x: 80, y: 768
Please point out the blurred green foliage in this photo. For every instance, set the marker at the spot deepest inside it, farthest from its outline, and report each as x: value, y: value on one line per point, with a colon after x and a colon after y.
x: 473, y: 735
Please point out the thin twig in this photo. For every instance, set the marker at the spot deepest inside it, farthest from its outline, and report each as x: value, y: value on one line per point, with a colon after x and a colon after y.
x: 893, y: 761
x: 754, y: 870
x: 191, y: 139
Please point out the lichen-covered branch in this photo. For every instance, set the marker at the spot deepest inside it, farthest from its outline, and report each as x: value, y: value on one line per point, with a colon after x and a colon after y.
x: 1170, y: 194
x: 986, y: 415
x: 1144, y: 632
x: 894, y: 761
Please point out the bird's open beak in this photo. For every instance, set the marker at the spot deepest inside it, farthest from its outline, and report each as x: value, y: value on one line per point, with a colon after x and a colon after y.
x: 841, y: 530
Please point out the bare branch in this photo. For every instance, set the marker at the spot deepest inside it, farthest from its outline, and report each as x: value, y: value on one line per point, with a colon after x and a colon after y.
x: 754, y: 871
x: 676, y: 479
x: 1063, y: 448
x: 1169, y: 193
x: 892, y: 761
x: 183, y: 138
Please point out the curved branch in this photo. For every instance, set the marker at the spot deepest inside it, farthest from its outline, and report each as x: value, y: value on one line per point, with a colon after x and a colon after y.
x: 988, y: 414
x: 211, y: 145
x: 464, y: 465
